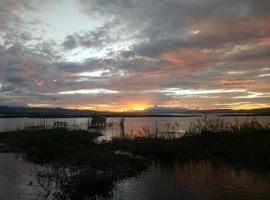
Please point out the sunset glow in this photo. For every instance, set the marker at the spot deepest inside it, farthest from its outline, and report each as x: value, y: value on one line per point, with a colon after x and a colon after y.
x: 130, y: 55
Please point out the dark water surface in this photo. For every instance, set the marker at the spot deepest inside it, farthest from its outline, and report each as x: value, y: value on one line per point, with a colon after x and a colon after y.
x: 194, y: 180
x: 189, y: 180
x: 198, y: 180
x: 17, y: 178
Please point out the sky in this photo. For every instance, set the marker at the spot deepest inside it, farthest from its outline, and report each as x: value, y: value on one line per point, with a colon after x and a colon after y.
x: 123, y: 55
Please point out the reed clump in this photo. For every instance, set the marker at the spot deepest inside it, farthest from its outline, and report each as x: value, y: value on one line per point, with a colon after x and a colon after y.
x: 76, y: 166
x: 80, y: 168
x: 246, y: 144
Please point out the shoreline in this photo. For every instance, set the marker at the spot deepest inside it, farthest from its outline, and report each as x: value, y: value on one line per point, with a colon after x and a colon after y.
x: 239, y: 146
x: 135, y: 115
x: 94, y: 164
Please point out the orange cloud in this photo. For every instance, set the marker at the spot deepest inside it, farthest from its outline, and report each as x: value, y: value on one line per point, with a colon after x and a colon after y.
x: 236, y: 82
x: 39, y: 83
x: 27, y: 65
x: 182, y: 56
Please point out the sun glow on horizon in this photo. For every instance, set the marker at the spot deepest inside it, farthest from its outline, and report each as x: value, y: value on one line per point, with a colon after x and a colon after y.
x: 114, y: 107
x: 101, y: 55
x: 143, y: 106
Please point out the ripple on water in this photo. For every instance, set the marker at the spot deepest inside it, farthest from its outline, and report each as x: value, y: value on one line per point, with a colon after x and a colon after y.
x: 195, y: 180
x: 190, y: 180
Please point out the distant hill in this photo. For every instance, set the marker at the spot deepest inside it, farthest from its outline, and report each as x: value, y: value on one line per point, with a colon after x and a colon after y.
x: 180, y: 110
x: 159, y: 109
x: 54, y: 112
x: 30, y: 110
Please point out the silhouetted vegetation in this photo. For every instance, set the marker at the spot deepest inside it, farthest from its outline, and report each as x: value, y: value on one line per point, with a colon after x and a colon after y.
x: 80, y: 168
x: 52, y: 140
x: 246, y: 144
x: 77, y: 167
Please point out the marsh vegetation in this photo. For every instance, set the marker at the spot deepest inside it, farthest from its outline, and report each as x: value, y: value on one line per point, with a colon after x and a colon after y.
x: 242, y: 145
x: 81, y: 168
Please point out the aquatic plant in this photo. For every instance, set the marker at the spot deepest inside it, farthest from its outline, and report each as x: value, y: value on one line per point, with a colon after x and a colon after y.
x: 84, y: 169
x: 246, y: 144
x: 78, y: 167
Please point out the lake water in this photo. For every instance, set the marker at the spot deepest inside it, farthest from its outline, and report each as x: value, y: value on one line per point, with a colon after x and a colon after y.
x: 17, y: 178
x: 200, y: 180
x: 133, y: 126
x: 197, y: 180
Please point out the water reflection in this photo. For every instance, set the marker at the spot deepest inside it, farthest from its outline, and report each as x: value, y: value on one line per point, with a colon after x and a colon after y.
x: 195, y: 180
x: 133, y: 126
x: 20, y: 179
x: 17, y: 178
x: 74, y: 183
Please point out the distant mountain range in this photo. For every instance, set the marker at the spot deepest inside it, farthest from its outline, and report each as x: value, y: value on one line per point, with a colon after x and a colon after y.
x: 31, y: 110
x: 158, y: 109
x: 151, y: 111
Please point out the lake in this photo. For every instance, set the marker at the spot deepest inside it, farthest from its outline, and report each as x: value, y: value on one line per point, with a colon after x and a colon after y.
x: 200, y: 180
x: 133, y: 126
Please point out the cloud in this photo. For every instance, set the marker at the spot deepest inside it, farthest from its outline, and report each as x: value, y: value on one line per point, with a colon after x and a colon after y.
x: 91, y: 39
x: 92, y: 91
x: 186, y: 52
x: 194, y: 92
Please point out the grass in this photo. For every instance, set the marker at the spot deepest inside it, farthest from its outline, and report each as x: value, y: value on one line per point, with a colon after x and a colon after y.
x: 80, y: 168
x: 242, y: 145
x: 77, y: 166
x: 54, y: 139
x: 246, y: 144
